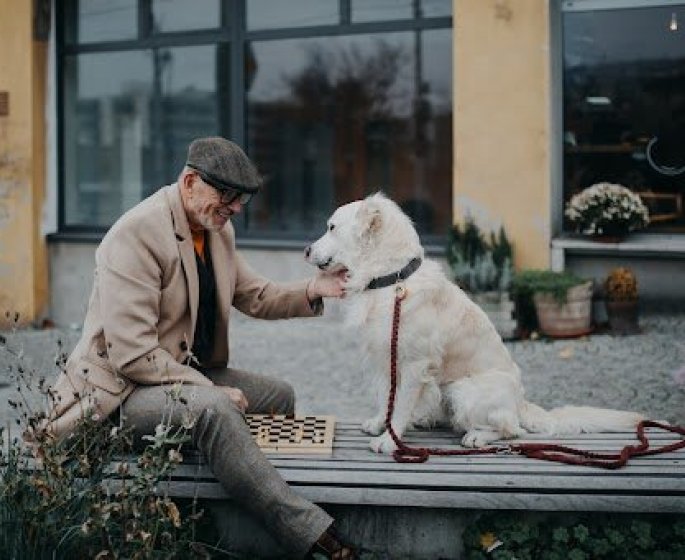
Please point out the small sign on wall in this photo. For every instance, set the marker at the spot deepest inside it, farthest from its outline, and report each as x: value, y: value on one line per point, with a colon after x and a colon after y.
x: 4, y: 103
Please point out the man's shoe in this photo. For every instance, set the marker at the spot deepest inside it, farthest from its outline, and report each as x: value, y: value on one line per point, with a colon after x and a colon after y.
x: 330, y: 546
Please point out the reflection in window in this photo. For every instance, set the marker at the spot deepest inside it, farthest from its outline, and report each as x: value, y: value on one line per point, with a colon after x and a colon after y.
x: 376, y: 10
x: 181, y: 15
x: 333, y: 119
x: 129, y: 117
x: 267, y: 14
x: 436, y: 8
x: 102, y: 20
x: 624, y: 106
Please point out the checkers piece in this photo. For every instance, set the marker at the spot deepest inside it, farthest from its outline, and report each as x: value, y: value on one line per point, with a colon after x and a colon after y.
x: 277, y: 433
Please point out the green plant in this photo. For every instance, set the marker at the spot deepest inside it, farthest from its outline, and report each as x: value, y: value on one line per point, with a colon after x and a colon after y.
x: 508, y: 535
x: 621, y: 285
x: 479, y: 265
x: 526, y: 283
x: 86, y: 495
x: 529, y: 282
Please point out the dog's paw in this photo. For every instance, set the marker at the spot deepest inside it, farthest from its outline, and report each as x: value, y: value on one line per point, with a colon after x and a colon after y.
x: 479, y: 438
x: 373, y: 426
x: 383, y: 444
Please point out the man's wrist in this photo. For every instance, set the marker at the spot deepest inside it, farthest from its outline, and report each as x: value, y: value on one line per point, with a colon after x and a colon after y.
x: 309, y: 294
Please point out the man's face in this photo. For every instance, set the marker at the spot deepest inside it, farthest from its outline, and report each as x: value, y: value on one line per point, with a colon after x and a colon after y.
x: 206, y: 208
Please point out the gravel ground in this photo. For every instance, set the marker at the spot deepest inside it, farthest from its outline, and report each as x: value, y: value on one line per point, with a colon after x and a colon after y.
x: 322, y: 361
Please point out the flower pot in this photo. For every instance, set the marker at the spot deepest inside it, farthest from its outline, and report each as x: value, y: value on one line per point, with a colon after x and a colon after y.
x: 499, y: 308
x: 608, y: 238
x: 622, y: 316
x: 565, y: 319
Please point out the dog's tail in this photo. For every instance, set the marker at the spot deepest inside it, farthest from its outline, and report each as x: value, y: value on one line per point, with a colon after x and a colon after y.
x: 568, y: 420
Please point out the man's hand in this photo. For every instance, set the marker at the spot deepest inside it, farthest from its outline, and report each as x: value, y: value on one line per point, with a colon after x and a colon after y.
x: 236, y: 395
x: 325, y: 284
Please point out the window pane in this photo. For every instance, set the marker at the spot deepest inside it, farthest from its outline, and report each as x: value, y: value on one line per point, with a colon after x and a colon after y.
x: 624, y: 106
x: 267, y: 14
x: 128, y: 119
x: 92, y: 21
x: 182, y: 15
x: 333, y: 119
x: 436, y: 8
x: 376, y: 10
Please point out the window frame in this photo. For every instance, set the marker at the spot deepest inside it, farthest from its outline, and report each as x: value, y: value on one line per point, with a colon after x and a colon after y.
x: 557, y: 13
x: 233, y: 33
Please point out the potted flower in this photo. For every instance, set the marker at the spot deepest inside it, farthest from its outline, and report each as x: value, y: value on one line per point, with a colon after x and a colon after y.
x: 483, y: 268
x: 620, y: 292
x: 607, y: 211
x: 562, y: 302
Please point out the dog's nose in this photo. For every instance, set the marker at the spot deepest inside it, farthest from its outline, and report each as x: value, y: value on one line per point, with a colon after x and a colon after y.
x: 307, y: 252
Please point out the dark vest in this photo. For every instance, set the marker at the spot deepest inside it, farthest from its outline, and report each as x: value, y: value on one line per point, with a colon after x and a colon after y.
x: 203, y: 342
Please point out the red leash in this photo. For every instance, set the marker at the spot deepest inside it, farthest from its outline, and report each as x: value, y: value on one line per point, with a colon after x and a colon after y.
x: 542, y: 451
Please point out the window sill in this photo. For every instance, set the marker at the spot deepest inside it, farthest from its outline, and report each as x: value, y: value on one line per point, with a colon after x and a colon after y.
x: 655, y: 245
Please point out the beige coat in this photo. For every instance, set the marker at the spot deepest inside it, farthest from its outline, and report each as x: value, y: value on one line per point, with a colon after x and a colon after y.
x: 142, y: 311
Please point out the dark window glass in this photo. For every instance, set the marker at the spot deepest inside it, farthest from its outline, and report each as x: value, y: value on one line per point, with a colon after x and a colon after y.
x: 332, y: 119
x: 436, y: 8
x: 267, y: 14
x: 128, y: 119
x: 184, y: 15
x: 376, y: 10
x: 93, y: 21
x: 624, y: 106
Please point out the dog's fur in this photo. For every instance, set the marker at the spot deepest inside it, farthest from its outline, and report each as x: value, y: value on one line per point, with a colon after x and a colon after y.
x: 451, y: 361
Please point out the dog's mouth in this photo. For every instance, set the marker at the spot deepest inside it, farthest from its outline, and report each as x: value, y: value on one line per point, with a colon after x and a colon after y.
x: 324, y: 265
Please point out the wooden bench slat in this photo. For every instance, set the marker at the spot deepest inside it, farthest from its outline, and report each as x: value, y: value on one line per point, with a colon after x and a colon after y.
x: 453, y: 499
x: 347, y: 428
x: 538, y: 468
x: 528, y: 481
x: 363, y: 445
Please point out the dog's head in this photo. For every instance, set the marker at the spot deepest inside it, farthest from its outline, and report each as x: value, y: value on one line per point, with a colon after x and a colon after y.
x: 368, y: 238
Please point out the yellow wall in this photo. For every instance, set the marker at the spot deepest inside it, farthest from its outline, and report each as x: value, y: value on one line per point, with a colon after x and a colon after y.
x: 501, y: 121
x: 23, y: 263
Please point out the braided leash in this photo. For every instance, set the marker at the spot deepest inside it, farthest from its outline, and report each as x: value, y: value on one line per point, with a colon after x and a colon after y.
x: 543, y: 451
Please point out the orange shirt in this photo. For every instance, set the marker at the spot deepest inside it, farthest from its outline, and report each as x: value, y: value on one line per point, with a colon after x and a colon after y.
x: 199, y: 242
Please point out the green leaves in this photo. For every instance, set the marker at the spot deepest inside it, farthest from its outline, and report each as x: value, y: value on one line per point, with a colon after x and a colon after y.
x: 572, y: 536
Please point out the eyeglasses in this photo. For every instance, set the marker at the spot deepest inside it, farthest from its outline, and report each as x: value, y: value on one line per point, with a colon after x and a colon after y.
x: 227, y: 196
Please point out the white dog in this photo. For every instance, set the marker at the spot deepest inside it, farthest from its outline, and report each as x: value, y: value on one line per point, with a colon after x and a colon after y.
x: 450, y: 358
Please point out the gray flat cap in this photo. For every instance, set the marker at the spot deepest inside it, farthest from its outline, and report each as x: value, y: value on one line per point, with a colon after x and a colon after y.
x: 222, y: 164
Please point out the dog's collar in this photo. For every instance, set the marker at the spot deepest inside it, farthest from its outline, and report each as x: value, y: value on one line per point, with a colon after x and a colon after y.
x: 390, y: 279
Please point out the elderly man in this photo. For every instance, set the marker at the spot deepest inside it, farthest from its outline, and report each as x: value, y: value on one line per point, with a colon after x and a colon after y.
x: 167, y: 274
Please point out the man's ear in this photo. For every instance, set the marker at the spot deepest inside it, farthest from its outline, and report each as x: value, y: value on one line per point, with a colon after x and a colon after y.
x: 186, y: 181
x: 369, y: 217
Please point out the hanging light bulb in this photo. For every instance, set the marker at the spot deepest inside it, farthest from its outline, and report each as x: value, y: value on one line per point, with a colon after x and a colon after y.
x: 673, y: 26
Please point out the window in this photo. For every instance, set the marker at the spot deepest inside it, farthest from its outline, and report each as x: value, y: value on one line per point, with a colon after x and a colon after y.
x: 331, y: 99
x: 624, y: 105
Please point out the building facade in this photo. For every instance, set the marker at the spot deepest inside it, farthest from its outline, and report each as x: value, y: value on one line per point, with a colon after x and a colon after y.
x: 501, y: 109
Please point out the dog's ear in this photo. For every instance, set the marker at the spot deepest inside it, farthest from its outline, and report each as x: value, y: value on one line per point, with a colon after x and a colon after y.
x: 369, y: 217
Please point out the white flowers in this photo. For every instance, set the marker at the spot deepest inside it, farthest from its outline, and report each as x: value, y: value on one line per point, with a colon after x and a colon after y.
x: 607, y: 209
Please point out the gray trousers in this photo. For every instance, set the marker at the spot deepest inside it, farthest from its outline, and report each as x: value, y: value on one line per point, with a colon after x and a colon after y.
x: 222, y: 435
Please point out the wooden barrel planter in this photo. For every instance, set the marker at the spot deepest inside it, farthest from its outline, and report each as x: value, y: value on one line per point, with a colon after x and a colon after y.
x: 565, y: 319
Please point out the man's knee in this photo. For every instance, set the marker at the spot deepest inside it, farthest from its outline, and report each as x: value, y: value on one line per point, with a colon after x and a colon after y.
x: 285, y: 398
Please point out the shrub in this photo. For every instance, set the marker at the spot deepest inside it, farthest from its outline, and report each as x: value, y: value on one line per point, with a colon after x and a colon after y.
x: 479, y: 265
x: 80, y: 496
x: 507, y: 535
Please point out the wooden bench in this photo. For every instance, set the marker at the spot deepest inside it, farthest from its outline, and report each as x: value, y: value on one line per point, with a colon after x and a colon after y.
x: 419, y: 510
